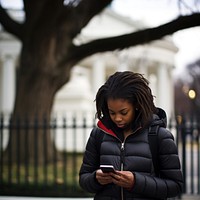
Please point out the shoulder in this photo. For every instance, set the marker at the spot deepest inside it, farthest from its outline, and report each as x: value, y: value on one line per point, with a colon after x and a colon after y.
x: 96, y: 135
x: 167, y: 144
x: 164, y: 133
x: 161, y: 132
x: 96, y: 132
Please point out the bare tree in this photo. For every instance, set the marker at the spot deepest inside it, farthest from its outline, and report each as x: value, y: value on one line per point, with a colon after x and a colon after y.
x: 48, y: 53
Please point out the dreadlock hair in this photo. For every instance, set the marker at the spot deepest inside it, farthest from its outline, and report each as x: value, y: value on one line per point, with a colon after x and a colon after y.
x: 130, y: 86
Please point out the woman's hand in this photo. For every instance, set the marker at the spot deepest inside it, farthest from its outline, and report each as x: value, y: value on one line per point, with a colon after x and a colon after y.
x: 123, y: 179
x: 103, y: 178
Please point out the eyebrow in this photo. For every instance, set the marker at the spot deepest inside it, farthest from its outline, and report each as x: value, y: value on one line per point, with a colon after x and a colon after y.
x: 119, y: 110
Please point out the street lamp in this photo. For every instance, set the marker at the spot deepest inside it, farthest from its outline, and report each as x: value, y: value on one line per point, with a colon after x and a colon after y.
x: 191, y: 94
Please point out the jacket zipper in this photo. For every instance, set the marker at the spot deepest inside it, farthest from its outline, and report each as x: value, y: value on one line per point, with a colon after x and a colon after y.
x: 122, y: 159
x: 122, y: 166
x: 122, y: 156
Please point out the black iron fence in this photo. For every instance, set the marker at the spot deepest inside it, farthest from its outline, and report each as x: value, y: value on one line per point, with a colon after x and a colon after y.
x: 41, y: 157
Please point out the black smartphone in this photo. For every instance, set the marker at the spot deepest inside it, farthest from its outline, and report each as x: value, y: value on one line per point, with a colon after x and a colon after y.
x: 107, y: 168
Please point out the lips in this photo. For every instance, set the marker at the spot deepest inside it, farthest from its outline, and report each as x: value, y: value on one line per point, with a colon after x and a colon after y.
x: 120, y: 125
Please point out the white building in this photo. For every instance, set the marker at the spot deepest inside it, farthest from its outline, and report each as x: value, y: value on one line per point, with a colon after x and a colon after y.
x: 155, y: 60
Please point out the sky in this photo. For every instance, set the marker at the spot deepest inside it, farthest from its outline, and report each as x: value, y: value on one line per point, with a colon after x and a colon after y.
x: 155, y: 12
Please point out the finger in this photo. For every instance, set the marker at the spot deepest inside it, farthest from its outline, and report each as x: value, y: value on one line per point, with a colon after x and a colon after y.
x: 122, y: 181
x: 116, y: 176
x: 104, y: 180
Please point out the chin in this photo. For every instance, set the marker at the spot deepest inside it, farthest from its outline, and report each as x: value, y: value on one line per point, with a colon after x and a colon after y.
x: 127, y: 127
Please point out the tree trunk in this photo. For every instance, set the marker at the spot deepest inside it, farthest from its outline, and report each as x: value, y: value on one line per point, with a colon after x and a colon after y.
x: 30, y: 135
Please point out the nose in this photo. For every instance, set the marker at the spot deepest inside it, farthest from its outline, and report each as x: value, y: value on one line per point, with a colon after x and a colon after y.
x: 118, y: 118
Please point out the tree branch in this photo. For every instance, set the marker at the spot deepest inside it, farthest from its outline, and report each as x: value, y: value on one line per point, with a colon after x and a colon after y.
x: 93, y: 8
x: 9, y: 24
x: 87, y: 9
x: 135, y: 38
x: 82, y: 14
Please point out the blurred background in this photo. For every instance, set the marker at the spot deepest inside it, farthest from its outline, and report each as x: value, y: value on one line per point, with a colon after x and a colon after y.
x: 50, y: 71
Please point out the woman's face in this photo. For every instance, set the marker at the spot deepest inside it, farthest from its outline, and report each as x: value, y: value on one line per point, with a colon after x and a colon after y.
x: 121, y: 111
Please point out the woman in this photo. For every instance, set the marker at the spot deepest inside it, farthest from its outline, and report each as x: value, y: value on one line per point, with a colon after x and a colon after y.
x: 126, y: 111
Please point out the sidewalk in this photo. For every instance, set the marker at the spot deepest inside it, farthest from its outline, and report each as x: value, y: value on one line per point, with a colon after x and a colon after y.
x: 191, y: 197
x: 184, y: 197
x: 40, y: 198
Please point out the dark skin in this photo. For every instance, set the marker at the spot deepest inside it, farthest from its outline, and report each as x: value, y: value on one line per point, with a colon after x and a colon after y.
x: 123, y: 179
x: 122, y: 113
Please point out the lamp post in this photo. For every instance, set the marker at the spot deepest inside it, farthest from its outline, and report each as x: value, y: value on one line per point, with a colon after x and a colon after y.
x: 192, y: 96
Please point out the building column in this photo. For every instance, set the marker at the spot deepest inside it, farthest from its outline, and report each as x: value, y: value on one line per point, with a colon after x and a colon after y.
x: 123, y: 65
x: 143, y: 66
x: 164, y: 94
x: 7, y: 90
x: 171, y: 92
x: 98, y: 75
x: 153, y: 85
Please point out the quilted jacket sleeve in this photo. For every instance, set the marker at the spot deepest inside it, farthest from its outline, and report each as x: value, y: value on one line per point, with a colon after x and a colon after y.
x: 170, y: 182
x: 90, y: 164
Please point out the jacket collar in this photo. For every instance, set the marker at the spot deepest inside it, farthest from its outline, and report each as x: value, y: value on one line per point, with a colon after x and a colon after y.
x: 110, y: 131
x: 105, y: 129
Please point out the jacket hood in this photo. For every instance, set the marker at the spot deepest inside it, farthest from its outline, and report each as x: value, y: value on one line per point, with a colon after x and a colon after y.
x: 104, y: 128
x: 160, y: 118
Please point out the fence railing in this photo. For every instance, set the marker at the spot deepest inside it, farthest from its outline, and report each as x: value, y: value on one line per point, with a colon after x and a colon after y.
x: 42, y: 158
x: 188, y: 132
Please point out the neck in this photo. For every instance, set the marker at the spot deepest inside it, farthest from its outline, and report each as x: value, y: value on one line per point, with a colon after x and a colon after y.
x: 127, y: 132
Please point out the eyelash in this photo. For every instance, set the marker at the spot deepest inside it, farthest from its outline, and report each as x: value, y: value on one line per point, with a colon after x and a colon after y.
x: 120, y: 113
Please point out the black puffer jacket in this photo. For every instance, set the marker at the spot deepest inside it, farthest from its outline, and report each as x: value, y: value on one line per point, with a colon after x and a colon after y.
x: 134, y: 155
